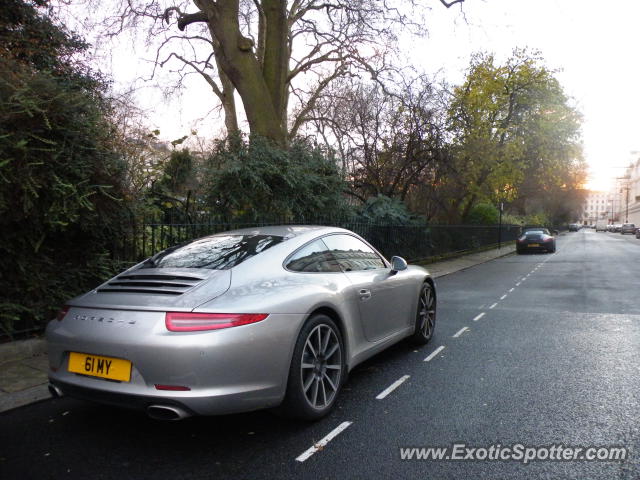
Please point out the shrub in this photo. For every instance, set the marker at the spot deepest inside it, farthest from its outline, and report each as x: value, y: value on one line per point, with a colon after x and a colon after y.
x: 59, y: 176
x: 257, y: 180
x: 484, y: 214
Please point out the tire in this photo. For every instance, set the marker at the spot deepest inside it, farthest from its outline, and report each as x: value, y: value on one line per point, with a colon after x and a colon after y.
x: 317, y: 370
x: 425, y: 316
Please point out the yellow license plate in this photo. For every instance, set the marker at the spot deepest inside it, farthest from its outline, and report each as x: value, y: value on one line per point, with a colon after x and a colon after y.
x: 534, y: 244
x: 98, y: 366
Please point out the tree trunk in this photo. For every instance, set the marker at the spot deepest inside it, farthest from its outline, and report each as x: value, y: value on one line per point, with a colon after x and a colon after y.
x: 261, y: 88
x: 229, y: 105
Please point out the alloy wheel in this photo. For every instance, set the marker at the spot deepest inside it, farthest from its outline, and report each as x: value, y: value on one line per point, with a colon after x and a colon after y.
x: 427, y: 311
x: 321, y: 366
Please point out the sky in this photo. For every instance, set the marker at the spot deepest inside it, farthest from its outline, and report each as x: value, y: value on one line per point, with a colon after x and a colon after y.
x: 593, y: 44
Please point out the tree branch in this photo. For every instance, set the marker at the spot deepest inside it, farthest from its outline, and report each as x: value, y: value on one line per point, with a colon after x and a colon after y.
x: 189, y: 18
x: 450, y: 4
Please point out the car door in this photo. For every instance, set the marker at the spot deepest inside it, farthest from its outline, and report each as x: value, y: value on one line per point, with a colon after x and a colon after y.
x: 380, y: 294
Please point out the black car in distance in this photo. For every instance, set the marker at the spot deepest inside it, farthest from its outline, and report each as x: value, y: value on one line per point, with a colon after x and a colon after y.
x: 536, y: 240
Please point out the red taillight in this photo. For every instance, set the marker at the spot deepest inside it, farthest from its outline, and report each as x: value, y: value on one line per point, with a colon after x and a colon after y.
x: 61, y: 314
x: 193, y: 322
x: 172, y: 388
x: 550, y: 239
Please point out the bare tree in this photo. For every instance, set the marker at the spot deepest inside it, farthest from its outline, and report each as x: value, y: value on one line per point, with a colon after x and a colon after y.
x: 391, y: 142
x: 269, y: 51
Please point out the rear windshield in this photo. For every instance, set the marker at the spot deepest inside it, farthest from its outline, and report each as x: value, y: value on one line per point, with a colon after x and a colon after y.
x: 219, y: 252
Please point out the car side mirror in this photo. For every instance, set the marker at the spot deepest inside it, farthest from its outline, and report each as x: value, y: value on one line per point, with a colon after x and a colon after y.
x: 398, y: 264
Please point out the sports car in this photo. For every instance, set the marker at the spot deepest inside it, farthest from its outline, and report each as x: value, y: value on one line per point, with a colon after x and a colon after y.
x: 238, y: 321
x: 536, y: 240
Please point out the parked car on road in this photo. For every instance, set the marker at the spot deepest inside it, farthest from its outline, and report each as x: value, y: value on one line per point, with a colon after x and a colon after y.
x: 239, y: 321
x: 628, y: 228
x: 574, y: 227
x: 536, y: 240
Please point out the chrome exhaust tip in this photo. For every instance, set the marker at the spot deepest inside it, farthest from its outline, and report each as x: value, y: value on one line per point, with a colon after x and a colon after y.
x: 55, y: 391
x: 166, y: 412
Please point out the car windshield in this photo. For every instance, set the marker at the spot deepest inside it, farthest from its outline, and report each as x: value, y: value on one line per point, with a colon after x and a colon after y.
x: 218, y: 252
x: 537, y: 231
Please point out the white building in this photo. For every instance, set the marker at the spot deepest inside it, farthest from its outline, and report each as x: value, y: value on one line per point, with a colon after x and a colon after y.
x: 598, y: 206
x: 630, y: 193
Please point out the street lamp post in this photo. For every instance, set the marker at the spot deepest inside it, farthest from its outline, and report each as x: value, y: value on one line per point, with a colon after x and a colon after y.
x: 500, y: 226
x: 626, y: 213
x: 611, y: 218
x: 626, y: 178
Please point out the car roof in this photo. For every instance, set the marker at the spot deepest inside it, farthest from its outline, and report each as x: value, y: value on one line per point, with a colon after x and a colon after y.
x: 286, y: 231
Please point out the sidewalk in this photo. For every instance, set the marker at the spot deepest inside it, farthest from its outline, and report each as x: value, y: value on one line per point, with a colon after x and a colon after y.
x: 24, y: 364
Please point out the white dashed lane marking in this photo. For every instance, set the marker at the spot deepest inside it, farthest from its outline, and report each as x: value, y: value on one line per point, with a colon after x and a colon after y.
x: 460, y: 332
x: 434, y: 353
x: 383, y: 394
x: 323, y: 443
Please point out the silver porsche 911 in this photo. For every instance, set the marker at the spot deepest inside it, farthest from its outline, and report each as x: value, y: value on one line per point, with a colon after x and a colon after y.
x: 239, y: 321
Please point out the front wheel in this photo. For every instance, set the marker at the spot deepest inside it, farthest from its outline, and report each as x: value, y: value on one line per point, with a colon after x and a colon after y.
x: 425, y: 316
x: 316, y: 372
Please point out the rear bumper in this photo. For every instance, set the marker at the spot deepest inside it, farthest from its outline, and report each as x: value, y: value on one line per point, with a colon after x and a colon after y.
x: 541, y: 248
x: 227, y: 371
x: 134, y: 402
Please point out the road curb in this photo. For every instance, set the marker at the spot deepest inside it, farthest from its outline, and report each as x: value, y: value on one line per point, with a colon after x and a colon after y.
x: 24, y: 397
x: 462, y: 263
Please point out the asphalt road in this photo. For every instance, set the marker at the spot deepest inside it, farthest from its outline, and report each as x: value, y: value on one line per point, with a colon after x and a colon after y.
x: 554, y: 360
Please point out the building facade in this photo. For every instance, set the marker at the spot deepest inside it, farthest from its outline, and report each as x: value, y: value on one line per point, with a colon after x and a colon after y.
x: 630, y: 192
x: 599, y: 206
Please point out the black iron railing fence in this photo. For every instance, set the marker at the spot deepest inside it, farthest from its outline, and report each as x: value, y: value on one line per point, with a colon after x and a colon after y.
x: 144, y: 237
x: 413, y: 242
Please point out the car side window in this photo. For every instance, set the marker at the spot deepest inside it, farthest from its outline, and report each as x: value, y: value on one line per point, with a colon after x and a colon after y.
x: 353, y: 254
x: 313, y: 258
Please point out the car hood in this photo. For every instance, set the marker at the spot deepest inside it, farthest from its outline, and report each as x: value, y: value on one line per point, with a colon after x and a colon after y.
x: 181, y: 289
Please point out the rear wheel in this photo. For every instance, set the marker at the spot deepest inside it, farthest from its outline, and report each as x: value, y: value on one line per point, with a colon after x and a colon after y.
x: 425, y: 316
x: 316, y: 372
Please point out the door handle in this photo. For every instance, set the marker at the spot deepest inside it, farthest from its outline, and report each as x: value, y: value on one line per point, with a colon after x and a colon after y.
x: 364, y: 294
